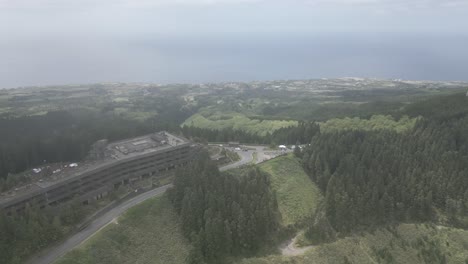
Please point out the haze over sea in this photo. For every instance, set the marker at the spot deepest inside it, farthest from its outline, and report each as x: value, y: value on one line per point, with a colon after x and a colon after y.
x: 77, y: 59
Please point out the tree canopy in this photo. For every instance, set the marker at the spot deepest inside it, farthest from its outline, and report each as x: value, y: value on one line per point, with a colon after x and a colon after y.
x: 223, y: 214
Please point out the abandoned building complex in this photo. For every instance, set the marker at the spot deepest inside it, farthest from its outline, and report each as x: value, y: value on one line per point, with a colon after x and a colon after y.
x: 111, y: 165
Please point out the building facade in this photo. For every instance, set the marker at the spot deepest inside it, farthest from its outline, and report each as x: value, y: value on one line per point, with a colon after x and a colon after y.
x: 114, y: 164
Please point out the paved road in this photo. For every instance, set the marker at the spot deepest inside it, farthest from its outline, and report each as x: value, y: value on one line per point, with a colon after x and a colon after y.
x: 49, y: 256
x: 246, y: 157
x: 55, y: 253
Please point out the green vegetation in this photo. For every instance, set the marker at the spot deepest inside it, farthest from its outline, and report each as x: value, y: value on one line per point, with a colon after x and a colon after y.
x: 378, y: 177
x: 223, y: 215
x: 302, y: 133
x: 147, y: 233
x: 297, y: 195
x: 128, y: 114
x: 232, y: 155
x: 370, y: 172
x: 236, y: 121
x: 403, y: 244
x: 64, y: 136
x: 22, y: 235
x: 254, y: 158
x: 376, y: 122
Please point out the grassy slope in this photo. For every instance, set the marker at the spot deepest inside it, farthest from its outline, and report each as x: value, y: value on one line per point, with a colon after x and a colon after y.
x: 404, y: 244
x: 238, y: 122
x: 407, y: 243
x: 297, y: 194
x: 150, y: 233
x: 147, y: 233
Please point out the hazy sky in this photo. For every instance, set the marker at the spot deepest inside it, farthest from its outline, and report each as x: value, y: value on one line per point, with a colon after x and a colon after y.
x: 26, y: 17
x: 39, y: 38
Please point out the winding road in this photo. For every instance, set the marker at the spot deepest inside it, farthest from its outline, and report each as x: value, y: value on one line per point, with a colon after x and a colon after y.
x: 52, y: 254
x: 246, y: 158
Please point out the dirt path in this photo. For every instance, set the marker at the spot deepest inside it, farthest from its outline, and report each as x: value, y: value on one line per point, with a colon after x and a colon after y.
x: 289, y: 247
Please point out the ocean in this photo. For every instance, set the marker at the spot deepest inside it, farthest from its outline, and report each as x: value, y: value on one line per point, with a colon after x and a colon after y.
x: 79, y: 59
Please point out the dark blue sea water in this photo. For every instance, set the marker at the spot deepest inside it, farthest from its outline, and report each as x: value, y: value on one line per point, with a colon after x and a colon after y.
x: 73, y: 59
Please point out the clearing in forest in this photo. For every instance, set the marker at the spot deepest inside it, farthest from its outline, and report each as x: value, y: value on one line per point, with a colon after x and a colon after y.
x: 297, y: 194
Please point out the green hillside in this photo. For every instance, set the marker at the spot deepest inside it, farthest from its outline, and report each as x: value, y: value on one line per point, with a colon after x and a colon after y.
x: 376, y: 122
x: 147, y: 233
x: 405, y: 244
x: 150, y: 233
x: 297, y: 195
x: 236, y: 121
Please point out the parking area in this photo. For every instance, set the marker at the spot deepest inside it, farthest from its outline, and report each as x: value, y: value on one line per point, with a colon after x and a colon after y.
x: 252, y: 154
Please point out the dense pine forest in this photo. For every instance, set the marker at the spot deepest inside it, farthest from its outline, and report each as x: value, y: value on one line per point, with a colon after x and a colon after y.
x: 222, y: 214
x: 67, y: 135
x: 300, y: 134
x: 379, y: 177
x: 22, y: 235
x: 371, y: 174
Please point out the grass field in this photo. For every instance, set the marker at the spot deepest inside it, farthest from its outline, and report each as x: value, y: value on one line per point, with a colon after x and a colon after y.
x: 236, y: 121
x: 405, y: 244
x: 147, y: 233
x: 297, y: 194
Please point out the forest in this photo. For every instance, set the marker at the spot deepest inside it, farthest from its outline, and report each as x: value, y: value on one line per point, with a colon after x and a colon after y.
x: 25, y: 234
x: 67, y: 135
x: 375, y: 168
x: 223, y: 214
x: 371, y: 178
x: 299, y: 134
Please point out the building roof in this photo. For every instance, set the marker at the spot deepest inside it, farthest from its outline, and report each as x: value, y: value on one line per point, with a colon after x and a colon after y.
x: 116, y: 151
x: 141, y: 145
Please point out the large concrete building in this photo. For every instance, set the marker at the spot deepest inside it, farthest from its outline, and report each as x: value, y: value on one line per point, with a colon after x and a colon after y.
x: 112, y: 165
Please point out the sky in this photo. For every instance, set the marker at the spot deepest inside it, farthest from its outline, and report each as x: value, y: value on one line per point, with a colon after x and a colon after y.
x: 26, y: 17
x: 82, y: 25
